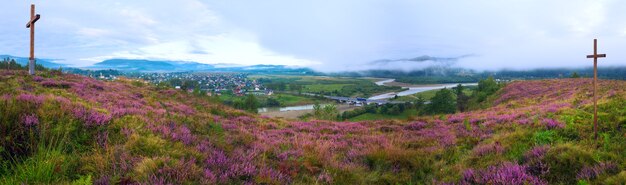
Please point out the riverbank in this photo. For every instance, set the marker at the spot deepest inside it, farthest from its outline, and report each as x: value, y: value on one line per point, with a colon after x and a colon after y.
x: 409, y: 89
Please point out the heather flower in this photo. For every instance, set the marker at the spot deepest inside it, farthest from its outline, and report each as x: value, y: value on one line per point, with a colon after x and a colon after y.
x: 91, y: 118
x: 456, y: 118
x: 37, y: 78
x: 274, y: 175
x: 536, y: 153
x: 37, y: 100
x: 415, y: 126
x: 474, y: 121
x: 127, y: 132
x: 53, y: 83
x: 504, y: 174
x: 30, y: 120
x: 325, y: 178
x: 102, y: 138
x: 552, y: 124
x: 209, y: 177
x: 524, y: 121
x: 591, y: 172
x: 96, y: 119
x: 103, y: 180
x: 534, y: 160
x: 488, y: 149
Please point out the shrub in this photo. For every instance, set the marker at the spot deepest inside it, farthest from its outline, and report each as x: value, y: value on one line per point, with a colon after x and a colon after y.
x: 503, y: 174
x: 592, y: 172
x: 565, y: 161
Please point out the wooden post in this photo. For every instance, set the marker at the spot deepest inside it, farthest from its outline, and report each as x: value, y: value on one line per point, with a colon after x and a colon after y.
x: 595, y: 57
x: 31, y: 24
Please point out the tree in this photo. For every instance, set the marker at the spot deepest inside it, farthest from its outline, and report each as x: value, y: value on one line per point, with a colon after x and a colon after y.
x: 251, y: 104
x: 394, y: 110
x: 328, y: 112
x: 419, y: 102
x: 575, y: 75
x: 271, y: 102
x: 486, y: 87
x: 197, y: 91
x: 461, y: 99
x: 317, y: 109
x: 442, y: 103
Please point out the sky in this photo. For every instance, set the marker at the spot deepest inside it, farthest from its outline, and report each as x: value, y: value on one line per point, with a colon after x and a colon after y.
x: 326, y: 35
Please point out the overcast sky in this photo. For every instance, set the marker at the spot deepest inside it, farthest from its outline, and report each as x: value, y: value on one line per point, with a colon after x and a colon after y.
x: 327, y: 35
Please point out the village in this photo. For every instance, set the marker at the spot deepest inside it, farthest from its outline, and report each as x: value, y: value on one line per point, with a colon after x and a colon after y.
x: 214, y: 84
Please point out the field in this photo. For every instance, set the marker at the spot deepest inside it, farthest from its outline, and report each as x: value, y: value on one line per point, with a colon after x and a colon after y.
x: 324, y: 85
x: 68, y: 129
x: 282, y: 98
x: 369, y: 116
x: 427, y: 95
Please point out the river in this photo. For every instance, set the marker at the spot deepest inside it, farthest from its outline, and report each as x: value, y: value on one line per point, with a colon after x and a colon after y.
x: 290, y: 108
x: 413, y: 89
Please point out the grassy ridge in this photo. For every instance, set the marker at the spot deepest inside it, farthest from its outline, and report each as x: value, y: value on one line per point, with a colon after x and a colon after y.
x: 61, y: 129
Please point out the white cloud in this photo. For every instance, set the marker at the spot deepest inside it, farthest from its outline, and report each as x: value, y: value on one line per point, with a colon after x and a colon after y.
x: 225, y: 48
x: 326, y: 35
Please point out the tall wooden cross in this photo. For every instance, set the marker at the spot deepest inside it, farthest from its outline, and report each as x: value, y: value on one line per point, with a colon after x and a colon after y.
x: 31, y: 25
x: 595, y: 57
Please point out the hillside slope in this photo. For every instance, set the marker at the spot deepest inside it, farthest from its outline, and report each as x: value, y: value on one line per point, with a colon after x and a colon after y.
x: 59, y: 128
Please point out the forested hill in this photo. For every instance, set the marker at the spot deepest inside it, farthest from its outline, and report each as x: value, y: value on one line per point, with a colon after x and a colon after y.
x: 60, y: 129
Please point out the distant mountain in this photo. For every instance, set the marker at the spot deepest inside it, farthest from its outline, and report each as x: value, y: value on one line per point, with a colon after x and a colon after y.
x: 150, y: 66
x: 48, y: 63
x: 130, y: 65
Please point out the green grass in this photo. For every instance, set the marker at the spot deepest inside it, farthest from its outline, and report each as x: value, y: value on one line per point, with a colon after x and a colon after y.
x: 292, y: 100
x: 284, y: 99
x: 46, y: 166
x: 369, y: 116
x: 427, y: 95
x: 324, y: 87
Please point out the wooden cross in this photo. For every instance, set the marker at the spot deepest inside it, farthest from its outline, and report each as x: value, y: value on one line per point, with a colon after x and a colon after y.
x: 31, y: 25
x: 595, y: 57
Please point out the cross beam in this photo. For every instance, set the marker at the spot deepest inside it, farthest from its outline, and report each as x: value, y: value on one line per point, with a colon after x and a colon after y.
x: 31, y: 24
x: 595, y: 57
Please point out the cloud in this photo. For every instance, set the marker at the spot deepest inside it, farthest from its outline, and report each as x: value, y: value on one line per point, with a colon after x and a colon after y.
x: 323, y: 34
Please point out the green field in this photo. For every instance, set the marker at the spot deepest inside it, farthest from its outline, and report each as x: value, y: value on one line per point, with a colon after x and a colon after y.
x: 369, y: 116
x: 291, y: 100
x: 284, y: 99
x: 324, y: 85
x: 427, y: 95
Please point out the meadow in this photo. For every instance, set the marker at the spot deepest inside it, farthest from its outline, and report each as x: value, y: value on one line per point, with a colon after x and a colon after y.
x: 324, y: 85
x: 283, y: 99
x: 68, y: 129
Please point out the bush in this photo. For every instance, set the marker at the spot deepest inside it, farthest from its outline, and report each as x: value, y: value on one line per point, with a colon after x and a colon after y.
x: 565, y: 161
x: 411, y: 165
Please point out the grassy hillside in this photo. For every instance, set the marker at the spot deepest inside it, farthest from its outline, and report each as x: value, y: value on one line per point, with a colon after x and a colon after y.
x: 63, y: 129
